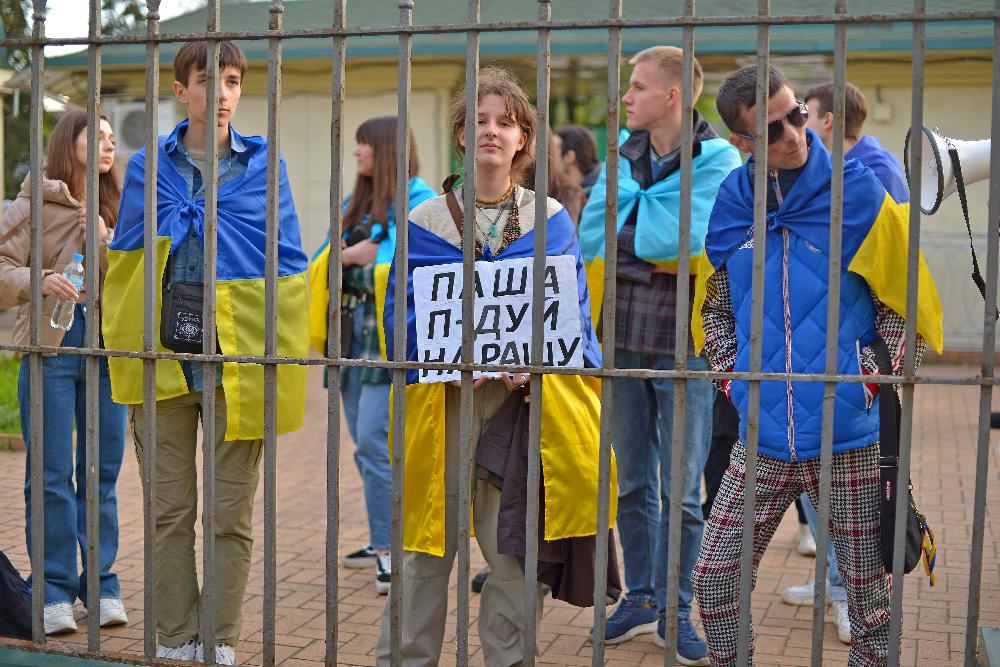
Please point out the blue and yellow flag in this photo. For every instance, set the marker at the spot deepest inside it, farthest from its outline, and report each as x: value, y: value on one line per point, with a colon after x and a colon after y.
x: 239, y: 290
x: 570, y: 409
x: 875, y: 234
x: 657, y: 208
x: 319, y: 267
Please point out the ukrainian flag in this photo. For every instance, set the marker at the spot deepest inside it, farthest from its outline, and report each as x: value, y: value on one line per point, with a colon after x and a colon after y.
x: 570, y: 409
x: 239, y: 290
x: 875, y: 235
x: 319, y: 267
x: 657, y: 208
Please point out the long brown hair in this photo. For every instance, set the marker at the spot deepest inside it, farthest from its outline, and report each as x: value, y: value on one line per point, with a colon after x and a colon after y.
x: 497, y: 81
x: 61, y: 165
x: 373, y: 194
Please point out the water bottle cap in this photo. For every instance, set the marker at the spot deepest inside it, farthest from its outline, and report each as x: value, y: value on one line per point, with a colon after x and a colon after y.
x: 77, y: 257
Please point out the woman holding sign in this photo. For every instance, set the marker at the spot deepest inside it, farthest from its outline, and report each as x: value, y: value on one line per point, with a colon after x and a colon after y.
x: 368, y: 244
x: 503, y: 231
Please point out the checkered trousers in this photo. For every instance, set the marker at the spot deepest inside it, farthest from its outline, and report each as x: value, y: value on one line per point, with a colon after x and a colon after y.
x: 854, y: 528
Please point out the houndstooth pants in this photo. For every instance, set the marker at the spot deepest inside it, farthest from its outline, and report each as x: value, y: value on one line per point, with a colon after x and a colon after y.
x: 854, y: 528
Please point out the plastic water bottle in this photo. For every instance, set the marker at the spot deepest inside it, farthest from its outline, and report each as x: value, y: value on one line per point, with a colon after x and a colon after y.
x: 62, y: 315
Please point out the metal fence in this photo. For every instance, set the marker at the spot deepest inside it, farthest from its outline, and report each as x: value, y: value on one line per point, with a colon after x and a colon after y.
x: 338, y: 32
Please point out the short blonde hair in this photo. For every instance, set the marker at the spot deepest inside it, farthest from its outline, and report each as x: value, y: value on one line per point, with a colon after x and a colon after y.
x: 670, y: 60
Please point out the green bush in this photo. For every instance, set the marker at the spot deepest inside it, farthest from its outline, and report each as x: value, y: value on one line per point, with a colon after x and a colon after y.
x: 10, y: 420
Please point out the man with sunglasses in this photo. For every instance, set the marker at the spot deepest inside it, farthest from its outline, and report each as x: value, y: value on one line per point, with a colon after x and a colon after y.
x: 793, y: 340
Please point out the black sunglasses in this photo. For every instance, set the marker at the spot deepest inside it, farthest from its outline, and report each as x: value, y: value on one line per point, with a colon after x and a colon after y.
x: 797, y: 117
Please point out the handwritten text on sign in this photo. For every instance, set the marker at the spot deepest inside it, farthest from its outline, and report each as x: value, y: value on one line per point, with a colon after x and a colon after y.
x: 502, y: 315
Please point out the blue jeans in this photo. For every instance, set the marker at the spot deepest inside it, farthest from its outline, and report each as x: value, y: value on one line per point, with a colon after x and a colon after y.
x: 641, y: 434
x: 64, y: 400
x: 366, y: 408
x: 834, y: 584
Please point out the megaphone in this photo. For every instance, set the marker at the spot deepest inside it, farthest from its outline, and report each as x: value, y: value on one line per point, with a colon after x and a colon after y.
x: 937, y: 176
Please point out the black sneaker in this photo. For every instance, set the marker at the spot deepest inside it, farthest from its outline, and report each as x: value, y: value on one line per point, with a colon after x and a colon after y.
x: 364, y: 557
x: 383, y: 574
x: 480, y: 579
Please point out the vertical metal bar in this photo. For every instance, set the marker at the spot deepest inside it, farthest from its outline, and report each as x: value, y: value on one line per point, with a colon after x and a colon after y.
x: 987, y: 370
x: 832, y: 334
x: 404, y: 66
x: 756, y: 324
x: 681, y: 346
x: 468, y: 334
x: 209, y: 369
x: 151, y: 293
x: 333, y: 350
x: 543, y: 74
x: 271, y: 328
x: 92, y: 285
x: 909, y: 353
x: 399, y: 352
x: 608, y: 331
x: 37, y: 499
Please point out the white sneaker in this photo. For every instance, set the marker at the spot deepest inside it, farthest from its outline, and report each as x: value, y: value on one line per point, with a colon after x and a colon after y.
x: 383, y: 574
x: 807, y: 544
x: 112, y: 612
x: 183, y: 652
x: 843, y: 621
x: 800, y: 596
x: 59, y: 618
x: 224, y: 654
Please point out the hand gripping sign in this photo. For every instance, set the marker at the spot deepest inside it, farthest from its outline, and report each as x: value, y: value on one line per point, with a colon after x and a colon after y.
x: 502, y: 323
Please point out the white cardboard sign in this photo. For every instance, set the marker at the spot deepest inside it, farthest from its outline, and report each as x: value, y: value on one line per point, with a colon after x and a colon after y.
x: 502, y: 315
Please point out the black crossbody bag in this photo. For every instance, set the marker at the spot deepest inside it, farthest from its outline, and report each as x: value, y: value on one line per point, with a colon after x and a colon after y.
x: 916, y: 523
x: 181, y: 325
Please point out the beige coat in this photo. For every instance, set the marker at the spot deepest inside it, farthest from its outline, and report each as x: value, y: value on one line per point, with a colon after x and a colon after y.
x: 61, y: 238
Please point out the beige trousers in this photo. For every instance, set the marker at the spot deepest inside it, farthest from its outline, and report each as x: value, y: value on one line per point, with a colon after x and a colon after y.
x: 237, y: 463
x: 424, y: 578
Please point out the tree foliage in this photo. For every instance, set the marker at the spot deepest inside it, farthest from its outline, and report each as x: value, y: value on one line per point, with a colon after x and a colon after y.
x: 120, y: 16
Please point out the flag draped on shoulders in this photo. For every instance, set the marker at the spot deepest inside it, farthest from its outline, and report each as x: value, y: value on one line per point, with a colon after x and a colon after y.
x: 874, y: 238
x: 240, y: 315
x: 319, y: 267
x: 657, y: 208
x: 570, y: 407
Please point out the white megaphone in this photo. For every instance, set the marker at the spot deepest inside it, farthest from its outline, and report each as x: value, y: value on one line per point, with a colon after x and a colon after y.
x: 937, y: 176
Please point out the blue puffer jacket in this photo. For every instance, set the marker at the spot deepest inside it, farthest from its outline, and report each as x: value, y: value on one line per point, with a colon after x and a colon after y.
x: 795, y: 304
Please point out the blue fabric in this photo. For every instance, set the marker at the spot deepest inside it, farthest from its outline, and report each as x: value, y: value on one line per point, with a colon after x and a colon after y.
x: 187, y: 260
x: 805, y: 213
x: 658, y: 206
x: 64, y: 399
x: 869, y: 152
x: 429, y: 249
x: 642, y: 437
x: 366, y: 410
x: 418, y: 191
x: 241, y: 208
x: 834, y: 582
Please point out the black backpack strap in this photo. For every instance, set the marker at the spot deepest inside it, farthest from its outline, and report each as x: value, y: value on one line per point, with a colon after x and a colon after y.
x: 888, y: 408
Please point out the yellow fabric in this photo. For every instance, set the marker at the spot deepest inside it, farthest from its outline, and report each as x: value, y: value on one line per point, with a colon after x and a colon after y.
x: 570, y: 443
x: 704, y: 272
x: 319, y: 301
x: 571, y: 435
x: 423, y: 468
x: 595, y: 286
x: 122, y: 324
x: 882, y: 262
x: 239, y: 313
x: 381, y: 283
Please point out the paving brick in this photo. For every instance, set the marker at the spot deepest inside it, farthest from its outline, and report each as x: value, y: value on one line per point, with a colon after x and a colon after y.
x: 943, y: 468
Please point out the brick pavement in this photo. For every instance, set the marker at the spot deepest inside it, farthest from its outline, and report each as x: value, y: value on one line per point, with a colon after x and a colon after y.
x: 934, y: 619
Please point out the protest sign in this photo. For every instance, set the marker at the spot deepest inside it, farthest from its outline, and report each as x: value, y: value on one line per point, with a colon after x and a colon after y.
x: 502, y: 315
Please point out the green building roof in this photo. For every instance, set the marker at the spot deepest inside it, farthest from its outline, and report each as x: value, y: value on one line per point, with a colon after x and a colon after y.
x: 785, y: 39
